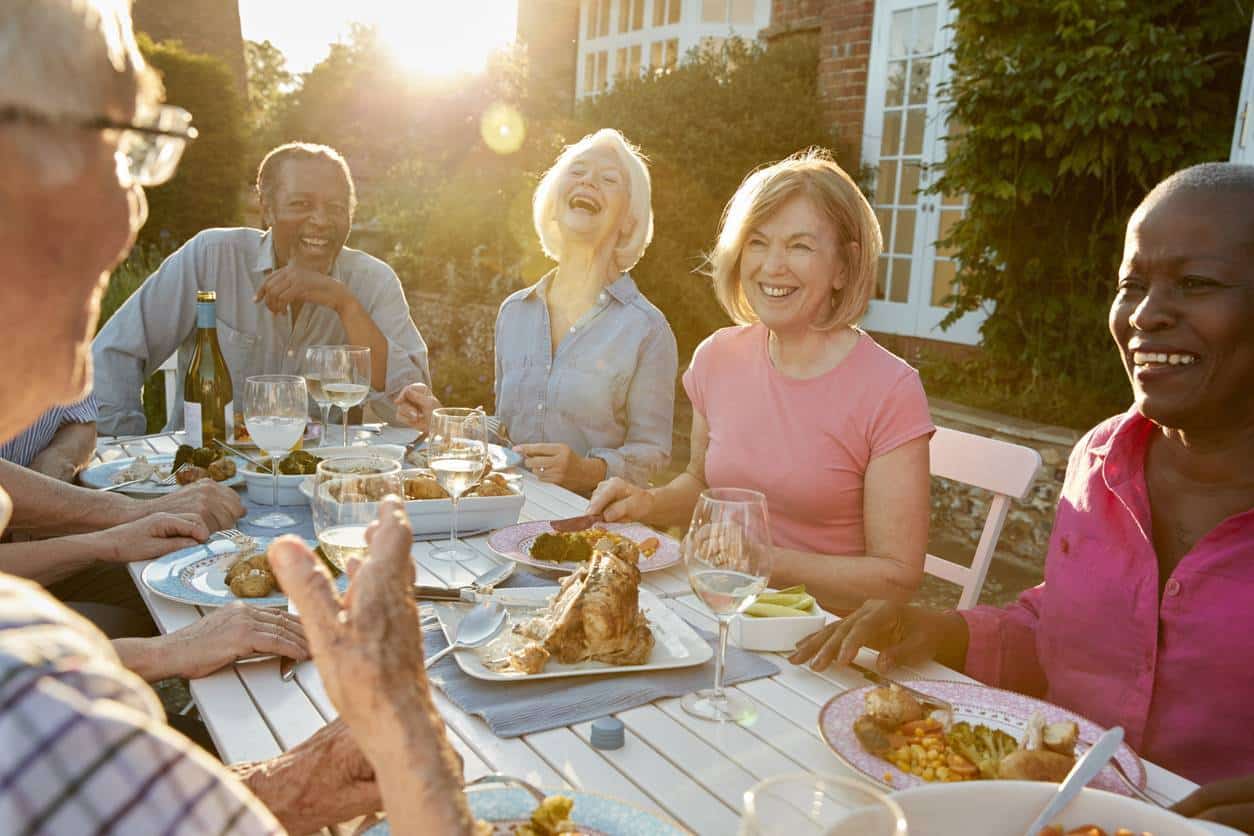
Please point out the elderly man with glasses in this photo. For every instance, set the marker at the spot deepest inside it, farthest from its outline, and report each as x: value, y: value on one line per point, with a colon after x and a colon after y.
x: 83, y: 748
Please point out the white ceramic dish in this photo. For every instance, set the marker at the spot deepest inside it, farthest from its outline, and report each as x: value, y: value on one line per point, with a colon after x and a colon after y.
x: 435, y: 516
x: 996, y: 808
x: 774, y: 635
x: 676, y: 644
x: 290, y: 493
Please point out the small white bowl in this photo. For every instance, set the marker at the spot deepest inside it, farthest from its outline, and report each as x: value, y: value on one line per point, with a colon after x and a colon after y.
x: 774, y: 634
x: 260, y: 489
x: 1003, y: 807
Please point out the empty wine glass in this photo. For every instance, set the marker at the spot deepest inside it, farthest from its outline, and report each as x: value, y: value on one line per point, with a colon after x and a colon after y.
x: 346, y: 500
x: 344, y: 376
x: 320, y: 365
x: 806, y: 804
x: 727, y: 552
x: 457, y: 452
x: 276, y: 407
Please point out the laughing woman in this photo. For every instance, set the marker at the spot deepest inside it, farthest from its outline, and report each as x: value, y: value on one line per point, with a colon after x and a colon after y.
x: 797, y: 402
x: 585, y: 365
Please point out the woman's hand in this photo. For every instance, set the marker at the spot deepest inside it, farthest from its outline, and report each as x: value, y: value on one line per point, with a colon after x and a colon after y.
x: 618, y: 500
x: 415, y: 404
x: 151, y: 536
x: 1229, y: 802
x: 903, y: 634
x: 224, y: 635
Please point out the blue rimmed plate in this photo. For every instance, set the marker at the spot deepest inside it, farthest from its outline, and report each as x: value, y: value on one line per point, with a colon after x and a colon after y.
x: 595, y: 815
x: 105, y: 474
x: 197, y: 576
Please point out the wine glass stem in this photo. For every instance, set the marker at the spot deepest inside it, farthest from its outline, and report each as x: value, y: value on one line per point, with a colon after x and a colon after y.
x: 326, y: 416
x: 274, y: 481
x: 344, y: 409
x: 452, y: 536
x: 718, y: 660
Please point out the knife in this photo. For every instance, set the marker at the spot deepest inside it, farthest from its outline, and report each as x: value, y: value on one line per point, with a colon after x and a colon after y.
x: 466, y: 595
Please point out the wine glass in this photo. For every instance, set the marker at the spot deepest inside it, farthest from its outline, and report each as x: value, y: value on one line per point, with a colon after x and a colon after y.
x: 727, y: 552
x: 346, y: 377
x: 346, y: 500
x: 806, y: 804
x: 319, y: 366
x: 276, y: 407
x: 457, y: 451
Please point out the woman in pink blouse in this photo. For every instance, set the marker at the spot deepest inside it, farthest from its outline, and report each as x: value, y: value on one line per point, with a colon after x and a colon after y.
x: 1146, y: 616
x: 797, y: 402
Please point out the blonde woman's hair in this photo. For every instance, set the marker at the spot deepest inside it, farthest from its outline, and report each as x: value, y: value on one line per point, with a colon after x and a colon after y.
x: 69, y: 59
x: 639, y: 189
x: 814, y: 174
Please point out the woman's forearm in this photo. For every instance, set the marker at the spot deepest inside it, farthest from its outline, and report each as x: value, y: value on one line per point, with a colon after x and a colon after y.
x: 841, y: 583
x: 48, y: 561
x: 674, y: 501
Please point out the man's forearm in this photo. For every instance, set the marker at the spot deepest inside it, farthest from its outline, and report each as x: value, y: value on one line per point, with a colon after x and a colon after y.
x: 46, y: 507
x: 361, y: 330
x: 48, y: 561
x: 146, y: 657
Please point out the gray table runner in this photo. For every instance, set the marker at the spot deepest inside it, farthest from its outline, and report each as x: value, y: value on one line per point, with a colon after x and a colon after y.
x: 512, y: 709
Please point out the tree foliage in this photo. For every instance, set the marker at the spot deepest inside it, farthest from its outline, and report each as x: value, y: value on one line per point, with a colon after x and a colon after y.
x: 1068, y: 114
x: 205, y: 192
x: 269, y: 82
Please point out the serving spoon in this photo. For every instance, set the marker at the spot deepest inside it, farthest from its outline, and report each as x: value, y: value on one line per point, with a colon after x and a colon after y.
x: 480, y: 626
x: 1085, y: 770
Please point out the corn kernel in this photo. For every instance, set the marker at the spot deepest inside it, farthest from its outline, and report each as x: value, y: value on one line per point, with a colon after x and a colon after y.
x: 929, y: 774
x: 942, y: 772
x: 918, y: 732
x: 888, y: 777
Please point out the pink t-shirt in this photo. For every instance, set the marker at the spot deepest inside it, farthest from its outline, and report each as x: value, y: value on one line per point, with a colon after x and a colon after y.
x: 805, y: 444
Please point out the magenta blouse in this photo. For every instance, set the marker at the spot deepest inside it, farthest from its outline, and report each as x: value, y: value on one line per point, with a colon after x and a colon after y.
x: 1177, y: 672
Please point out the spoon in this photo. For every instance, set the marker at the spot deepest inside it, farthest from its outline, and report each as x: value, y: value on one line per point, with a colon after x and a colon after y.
x: 1085, y: 770
x: 479, y: 627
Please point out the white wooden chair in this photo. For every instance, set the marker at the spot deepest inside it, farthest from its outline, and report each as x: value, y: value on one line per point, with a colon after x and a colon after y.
x: 1007, y: 470
x: 170, y: 371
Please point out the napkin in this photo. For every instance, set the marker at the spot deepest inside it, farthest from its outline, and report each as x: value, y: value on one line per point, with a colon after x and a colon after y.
x: 520, y: 707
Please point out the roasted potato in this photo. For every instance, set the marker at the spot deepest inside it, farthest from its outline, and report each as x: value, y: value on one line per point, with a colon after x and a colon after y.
x: 423, y: 487
x: 205, y: 456
x: 253, y: 583
x: 892, y: 706
x: 1035, y: 765
x: 222, y: 469
x: 494, y: 484
x: 191, y: 473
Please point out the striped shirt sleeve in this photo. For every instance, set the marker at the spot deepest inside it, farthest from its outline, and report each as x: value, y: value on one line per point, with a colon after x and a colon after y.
x: 83, y: 412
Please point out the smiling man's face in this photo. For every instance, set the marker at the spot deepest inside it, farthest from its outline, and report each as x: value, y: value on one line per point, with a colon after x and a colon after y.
x: 1183, y: 317
x: 309, y: 213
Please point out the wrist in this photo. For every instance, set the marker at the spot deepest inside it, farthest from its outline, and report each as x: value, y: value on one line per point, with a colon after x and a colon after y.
x: 345, y: 303
x: 590, y: 471
x: 144, y: 657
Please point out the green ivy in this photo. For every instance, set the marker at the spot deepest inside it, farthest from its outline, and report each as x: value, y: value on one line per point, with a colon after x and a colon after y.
x: 1065, y: 114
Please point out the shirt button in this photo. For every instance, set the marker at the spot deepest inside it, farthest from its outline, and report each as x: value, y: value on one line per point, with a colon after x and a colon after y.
x: 291, y: 353
x: 602, y: 297
x: 572, y: 329
x: 540, y: 407
x: 1172, y: 588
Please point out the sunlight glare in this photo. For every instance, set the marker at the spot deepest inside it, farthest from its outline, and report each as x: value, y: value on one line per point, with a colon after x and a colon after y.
x: 502, y: 128
x: 436, y: 38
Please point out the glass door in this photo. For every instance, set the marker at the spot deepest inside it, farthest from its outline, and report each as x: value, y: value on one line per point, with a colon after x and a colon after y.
x: 904, y: 143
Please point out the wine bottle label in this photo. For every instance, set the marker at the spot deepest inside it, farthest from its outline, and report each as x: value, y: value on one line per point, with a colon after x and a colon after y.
x: 193, y: 426
x: 228, y: 414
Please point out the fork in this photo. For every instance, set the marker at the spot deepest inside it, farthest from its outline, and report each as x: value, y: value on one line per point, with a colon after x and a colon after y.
x: 1131, y: 785
x: 497, y: 427
x: 172, y: 479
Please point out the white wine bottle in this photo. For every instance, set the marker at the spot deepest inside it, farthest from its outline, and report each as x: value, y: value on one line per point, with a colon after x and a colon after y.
x: 208, y: 411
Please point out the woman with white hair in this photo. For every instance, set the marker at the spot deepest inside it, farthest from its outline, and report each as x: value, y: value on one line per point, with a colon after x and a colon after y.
x: 797, y: 402
x: 585, y: 364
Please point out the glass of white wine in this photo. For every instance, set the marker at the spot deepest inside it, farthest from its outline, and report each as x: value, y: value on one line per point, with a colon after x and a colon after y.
x: 320, y: 365
x: 346, y: 499
x: 276, y: 408
x: 809, y: 804
x: 457, y: 452
x: 727, y: 552
x: 346, y: 378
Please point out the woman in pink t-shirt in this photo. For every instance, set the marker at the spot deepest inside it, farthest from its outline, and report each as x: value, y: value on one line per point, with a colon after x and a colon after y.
x: 797, y: 402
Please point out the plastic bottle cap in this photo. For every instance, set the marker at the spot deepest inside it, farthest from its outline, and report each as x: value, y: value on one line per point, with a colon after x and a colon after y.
x: 608, y: 733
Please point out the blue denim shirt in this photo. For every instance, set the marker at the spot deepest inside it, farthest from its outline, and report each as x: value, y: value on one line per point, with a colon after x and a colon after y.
x: 608, y: 392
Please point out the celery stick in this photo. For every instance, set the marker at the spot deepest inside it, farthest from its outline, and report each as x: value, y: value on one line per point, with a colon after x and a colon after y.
x: 761, y: 610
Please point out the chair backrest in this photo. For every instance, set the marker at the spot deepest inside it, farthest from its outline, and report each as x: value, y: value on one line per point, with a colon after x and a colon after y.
x: 170, y: 369
x: 1007, y: 470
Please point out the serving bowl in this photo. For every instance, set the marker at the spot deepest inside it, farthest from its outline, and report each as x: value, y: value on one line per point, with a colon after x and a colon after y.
x: 995, y: 808
x: 776, y: 634
x: 290, y: 493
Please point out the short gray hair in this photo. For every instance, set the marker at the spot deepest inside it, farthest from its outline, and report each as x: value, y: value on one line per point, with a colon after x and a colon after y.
x: 272, y: 164
x: 640, y: 191
x: 71, y: 59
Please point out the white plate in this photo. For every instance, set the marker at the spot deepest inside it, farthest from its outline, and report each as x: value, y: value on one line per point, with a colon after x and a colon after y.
x: 675, y: 643
x: 102, y: 476
x: 197, y: 576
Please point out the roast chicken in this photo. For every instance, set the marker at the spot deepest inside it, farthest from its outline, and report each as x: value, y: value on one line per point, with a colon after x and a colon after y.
x: 595, y: 615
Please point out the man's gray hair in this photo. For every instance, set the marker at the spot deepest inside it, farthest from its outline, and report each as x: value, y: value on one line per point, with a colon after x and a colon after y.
x: 69, y: 59
x: 272, y: 164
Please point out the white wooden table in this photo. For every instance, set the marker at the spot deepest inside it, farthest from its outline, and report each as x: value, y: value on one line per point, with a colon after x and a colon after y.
x: 693, y: 771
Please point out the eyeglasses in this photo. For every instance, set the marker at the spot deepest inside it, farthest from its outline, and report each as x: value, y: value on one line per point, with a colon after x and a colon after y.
x: 152, y: 149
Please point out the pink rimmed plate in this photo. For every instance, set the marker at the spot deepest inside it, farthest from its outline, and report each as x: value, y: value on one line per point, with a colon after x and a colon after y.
x: 974, y: 703
x: 515, y: 542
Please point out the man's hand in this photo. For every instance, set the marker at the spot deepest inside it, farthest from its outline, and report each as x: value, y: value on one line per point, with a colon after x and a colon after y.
x: 54, y: 463
x: 295, y: 283
x: 149, y: 537
x: 217, y: 506
x: 319, y: 783
x: 219, y: 638
x: 415, y: 404
x: 1229, y: 802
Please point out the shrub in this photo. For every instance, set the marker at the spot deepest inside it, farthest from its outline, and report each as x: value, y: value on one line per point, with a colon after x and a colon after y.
x: 1070, y: 113
x: 205, y: 192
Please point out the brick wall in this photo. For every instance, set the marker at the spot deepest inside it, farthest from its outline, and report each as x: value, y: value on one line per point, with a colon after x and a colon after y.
x: 844, y: 28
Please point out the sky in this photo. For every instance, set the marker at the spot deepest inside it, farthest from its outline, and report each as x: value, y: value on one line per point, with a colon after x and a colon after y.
x: 430, y: 36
